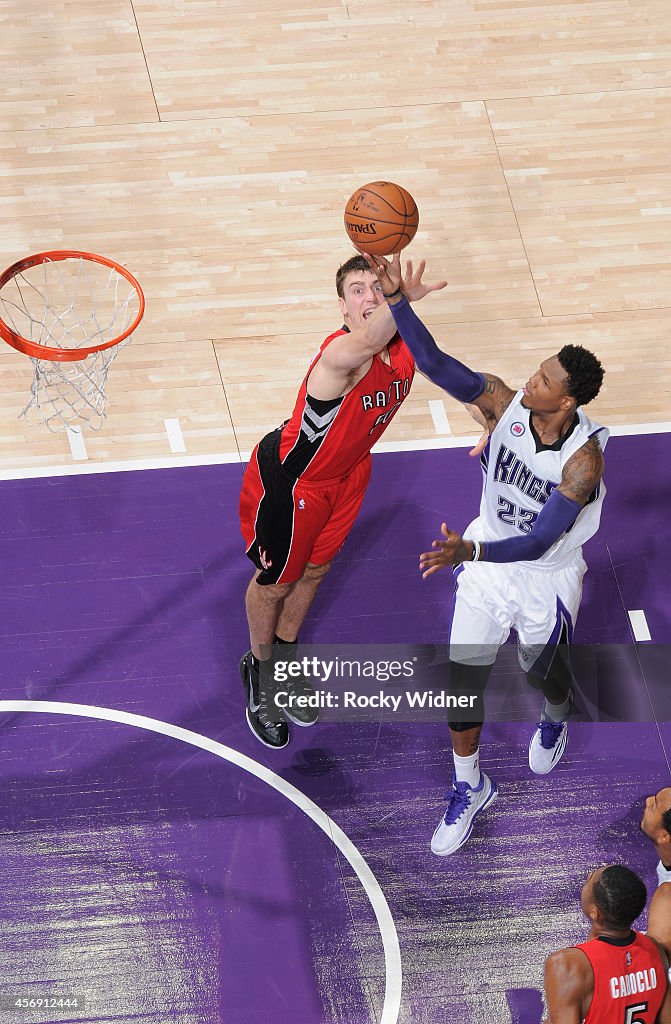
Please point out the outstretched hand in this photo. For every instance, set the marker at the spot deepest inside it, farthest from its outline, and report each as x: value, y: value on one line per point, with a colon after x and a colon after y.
x: 388, y: 274
x: 391, y: 278
x: 450, y: 551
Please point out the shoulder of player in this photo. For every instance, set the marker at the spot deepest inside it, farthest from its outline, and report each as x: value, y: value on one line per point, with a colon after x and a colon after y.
x: 332, y: 338
x: 338, y: 366
x: 569, y: 959
x: 583, y: 471
x: 495, y: 398
x: 570, y: 971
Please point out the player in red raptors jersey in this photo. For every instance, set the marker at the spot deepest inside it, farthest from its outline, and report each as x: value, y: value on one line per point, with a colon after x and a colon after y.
x: 656, y: 824
x: 306, y: 480
x: 618, y: 976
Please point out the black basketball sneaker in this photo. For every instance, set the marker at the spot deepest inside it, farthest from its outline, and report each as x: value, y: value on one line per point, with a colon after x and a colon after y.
x: 263, y: 717
x: 298, y: 690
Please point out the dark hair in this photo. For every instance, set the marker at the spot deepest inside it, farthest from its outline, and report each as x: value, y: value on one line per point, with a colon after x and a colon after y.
x: 666, y: 820
x: 584, y: 373
x: 353, y: 263
x: 620, y: 895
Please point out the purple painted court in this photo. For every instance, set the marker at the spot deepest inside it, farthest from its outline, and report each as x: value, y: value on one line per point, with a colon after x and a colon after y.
x: 166, y: 867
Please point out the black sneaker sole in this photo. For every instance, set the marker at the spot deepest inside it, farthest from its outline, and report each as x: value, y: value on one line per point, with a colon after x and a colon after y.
x: 261, y: 739
x: 303, y: 725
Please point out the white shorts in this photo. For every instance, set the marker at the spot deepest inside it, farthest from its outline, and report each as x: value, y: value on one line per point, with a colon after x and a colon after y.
x: 492, y: 598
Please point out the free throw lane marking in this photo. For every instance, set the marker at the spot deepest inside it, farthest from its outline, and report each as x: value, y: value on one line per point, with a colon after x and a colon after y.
x: 77, y: 444
x: 439, y: 416
x: 175, y: 436
x: 639, y: 625
x: 390, y: 944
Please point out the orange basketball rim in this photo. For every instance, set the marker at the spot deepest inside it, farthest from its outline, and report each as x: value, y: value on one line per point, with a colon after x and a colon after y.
x: 61, y: 353
x: 72, y: 312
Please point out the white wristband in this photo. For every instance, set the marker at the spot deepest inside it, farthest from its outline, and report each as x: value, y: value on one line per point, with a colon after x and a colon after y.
x: 476, y: 551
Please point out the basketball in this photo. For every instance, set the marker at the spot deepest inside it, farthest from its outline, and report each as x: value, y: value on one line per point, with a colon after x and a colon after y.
x: 381, y: 218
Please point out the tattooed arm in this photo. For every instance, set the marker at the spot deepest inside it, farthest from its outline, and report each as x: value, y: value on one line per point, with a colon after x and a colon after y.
x: 582, y: 473
x: 494, y: 400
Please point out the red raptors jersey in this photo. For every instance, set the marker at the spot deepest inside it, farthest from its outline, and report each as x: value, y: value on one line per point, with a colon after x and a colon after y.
x: 325, y: 440
x: 629, y: 981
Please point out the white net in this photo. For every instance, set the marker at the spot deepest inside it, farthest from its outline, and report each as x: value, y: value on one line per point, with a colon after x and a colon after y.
x: 69, y: 304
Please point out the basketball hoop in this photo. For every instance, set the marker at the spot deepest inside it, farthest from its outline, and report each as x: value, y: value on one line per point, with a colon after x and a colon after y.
x: 71, y: 312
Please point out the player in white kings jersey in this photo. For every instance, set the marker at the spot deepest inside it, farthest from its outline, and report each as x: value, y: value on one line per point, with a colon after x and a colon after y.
x: 519, y: 564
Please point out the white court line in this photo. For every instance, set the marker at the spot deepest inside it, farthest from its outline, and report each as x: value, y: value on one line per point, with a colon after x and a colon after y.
x: 639, y: 625
x: 392, y: 952
x: 625, y: 429
x: 175, y: 436
x: 430, y: 444
x: 439, y: 416
x: 226, y: 458
x: 77, y: 444
x: 132, y: 465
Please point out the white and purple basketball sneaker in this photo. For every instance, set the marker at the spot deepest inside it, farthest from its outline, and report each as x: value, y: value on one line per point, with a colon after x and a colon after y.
x: 464, y: 805
x: 547, y: 745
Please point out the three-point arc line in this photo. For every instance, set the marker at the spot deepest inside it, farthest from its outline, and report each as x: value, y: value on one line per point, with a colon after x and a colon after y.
x: 388, y: 934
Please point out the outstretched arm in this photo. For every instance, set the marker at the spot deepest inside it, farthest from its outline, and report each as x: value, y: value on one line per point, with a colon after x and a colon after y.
x: 581, y: 476
x: 354, y: 350
x: 487, y: 392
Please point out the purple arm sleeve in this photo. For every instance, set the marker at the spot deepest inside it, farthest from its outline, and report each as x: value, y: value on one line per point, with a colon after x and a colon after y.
x: 553, y: 519
x: 448, y: 373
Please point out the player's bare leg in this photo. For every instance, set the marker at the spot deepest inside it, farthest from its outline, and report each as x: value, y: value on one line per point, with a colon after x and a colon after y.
x: 292, y: 616
x: 297, y: 602
x: 467, y: 742
x: 264, y: 607
x: 275, y: 614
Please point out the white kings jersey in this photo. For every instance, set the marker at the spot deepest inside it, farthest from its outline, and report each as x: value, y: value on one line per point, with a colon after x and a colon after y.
x: 663, y: 876
x: 519, y: 480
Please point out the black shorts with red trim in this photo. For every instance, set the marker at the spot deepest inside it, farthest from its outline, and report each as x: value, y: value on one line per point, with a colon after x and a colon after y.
x: 288, y: 523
